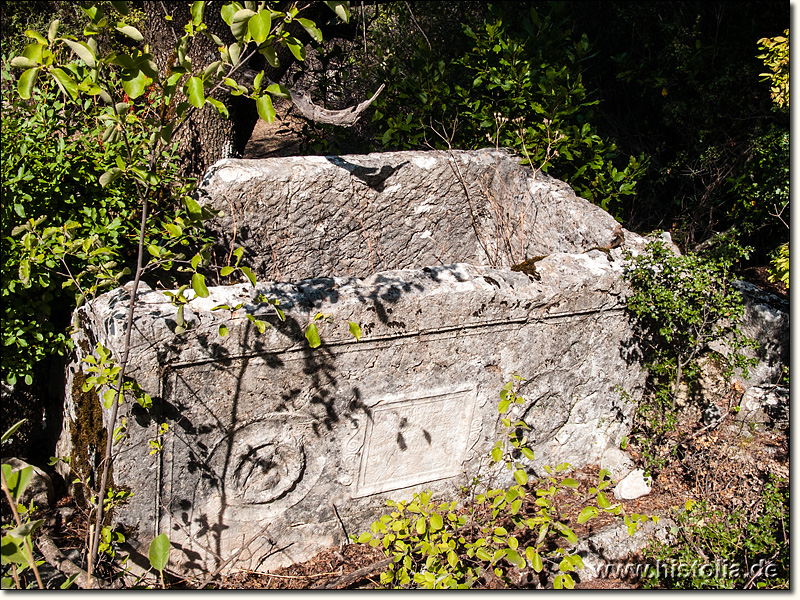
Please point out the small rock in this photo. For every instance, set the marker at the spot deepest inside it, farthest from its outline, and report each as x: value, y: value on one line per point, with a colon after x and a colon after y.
x: 617, y: 462
x: 635, y: 485
x: 40, y: 489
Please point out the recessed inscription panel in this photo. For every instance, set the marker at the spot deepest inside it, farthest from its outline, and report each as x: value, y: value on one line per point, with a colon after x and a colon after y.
x: 414, y: 441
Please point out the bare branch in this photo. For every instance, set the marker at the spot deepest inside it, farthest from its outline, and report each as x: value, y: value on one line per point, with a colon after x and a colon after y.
x: 344, y: 118
x: 355, y: 576
x: 59, y: 561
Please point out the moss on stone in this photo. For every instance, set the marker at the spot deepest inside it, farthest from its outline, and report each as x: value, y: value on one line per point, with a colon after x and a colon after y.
x: 87, y: 434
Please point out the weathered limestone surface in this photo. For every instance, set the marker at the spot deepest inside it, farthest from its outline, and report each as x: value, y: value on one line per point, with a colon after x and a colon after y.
x: 354, y: 215
x: 269, y: 439
x: 766, y: 320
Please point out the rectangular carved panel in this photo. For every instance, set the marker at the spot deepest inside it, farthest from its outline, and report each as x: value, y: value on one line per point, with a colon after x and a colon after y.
x: 415, y: 440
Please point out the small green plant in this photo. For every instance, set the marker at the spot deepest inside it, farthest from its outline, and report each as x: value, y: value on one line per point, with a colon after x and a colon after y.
x: 683, y: 304
x: 437, y: 545
x: 716, y: 549
x: 780, y: 266
x: 158, y: 554
x: 16, y: 546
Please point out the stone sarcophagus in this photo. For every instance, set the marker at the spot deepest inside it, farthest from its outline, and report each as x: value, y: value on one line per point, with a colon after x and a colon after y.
x: 276, y: 450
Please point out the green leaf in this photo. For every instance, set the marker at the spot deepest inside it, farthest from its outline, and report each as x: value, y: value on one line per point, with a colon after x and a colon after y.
x: 12, y: 430
x: 483, y: 554
x: 312, y: 335
x: 221, y: 108
x: 33, y: 52
x: 259, y: 26
x: 198, y: 8
x: 277, y: 89
x: 199, y: 285
x: 265, y: 109
x: 234, y: 52
x: 131, y: 32
x: 19, y: 481
x: 211, y: 70
x: 568, y: 533
x: 225, y: 271
x: 249, y: 274
x: 272, y: 57
x: 571, y: 483
x: 11, y: 551
x: 311, y: 28
x: 192, y: 207
x: 65, y: 82
x: 240, y: 23
x: 342, y: 10
x: 25, y: 529
x: 223, y: 330
x: 83, y: 51
x: 364, y: 537
x: 602, y: 501
x: 257, y: 81
x: 52, y: 31
x: 228, y: 10
x: 587, y: 513
x: 134, y: 82
x: 108, y: 398
x: 355, y: 330
x: 159, y: 552
x: 174, y: 231
x: 112, y: 174
x: 534, y: 558
x: 296, y: 48
x: 120, y: 6
x: 436, y: 522
x: 36, y: 36
x: 22, y: 62
x: 24, y: 271
x: 420, y: 526
x: 521, y: 476
x: 71, y: 579
x: 195, y: 92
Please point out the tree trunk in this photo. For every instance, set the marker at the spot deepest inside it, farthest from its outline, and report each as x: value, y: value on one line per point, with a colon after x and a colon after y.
x: 207, y: 136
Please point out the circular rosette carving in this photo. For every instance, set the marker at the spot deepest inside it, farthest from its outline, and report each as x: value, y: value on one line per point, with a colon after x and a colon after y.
x: 262, y: 462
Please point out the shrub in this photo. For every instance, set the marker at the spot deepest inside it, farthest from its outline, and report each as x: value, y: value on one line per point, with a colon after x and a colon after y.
x: 683, y: 304
x: 53, y: 156
x: 518, y: 89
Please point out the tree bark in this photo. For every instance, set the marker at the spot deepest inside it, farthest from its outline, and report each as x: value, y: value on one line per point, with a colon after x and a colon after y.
x: 206, y: 136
